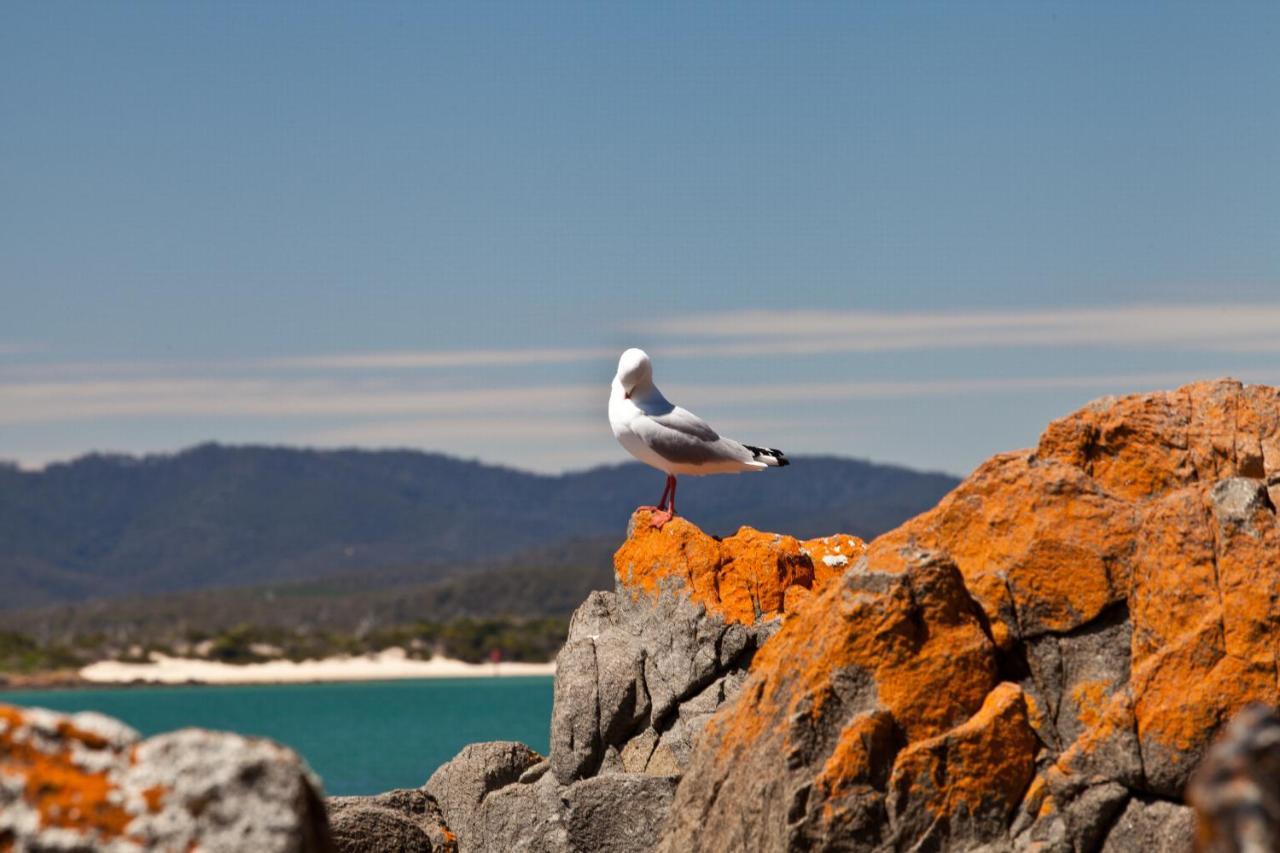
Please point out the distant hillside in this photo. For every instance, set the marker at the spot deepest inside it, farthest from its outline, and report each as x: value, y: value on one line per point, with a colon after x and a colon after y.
x: 541, y: 582
x: 215, y: 516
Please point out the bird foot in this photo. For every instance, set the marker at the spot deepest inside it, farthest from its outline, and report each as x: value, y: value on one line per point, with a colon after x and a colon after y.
x: 659, y: 517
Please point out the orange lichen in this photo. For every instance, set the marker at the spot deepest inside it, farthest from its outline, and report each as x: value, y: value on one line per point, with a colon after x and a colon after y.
x: 832, y: 556
x: 1090, y: 697
x: 744, y: 577
x: 859, y: 748
x: 915, y: 635
x: 154, y: 797
x: 63, y: 794
x: 1120, y: 511
x: 982, y: 765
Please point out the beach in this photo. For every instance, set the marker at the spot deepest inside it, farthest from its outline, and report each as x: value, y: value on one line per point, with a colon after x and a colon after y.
x: 386, y: 665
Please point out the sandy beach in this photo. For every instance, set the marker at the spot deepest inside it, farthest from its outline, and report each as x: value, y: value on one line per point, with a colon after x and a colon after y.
x: 388, y: 664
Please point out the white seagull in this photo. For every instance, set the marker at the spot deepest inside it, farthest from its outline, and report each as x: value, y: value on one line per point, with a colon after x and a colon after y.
x: 672, y: 439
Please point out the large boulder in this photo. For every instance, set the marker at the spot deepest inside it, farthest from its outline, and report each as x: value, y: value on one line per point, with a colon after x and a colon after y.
x: 1039, y: 662
x: 460, y: 786
x: 404, y: 820
x: 88, y: 782
x: 646, y: 665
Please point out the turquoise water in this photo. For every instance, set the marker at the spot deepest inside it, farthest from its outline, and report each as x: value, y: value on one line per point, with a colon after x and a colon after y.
x: 361, y: 738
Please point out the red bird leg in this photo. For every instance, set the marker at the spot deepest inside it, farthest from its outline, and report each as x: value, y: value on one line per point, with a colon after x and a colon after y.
x: 666, y: 511
x: 662, y: 503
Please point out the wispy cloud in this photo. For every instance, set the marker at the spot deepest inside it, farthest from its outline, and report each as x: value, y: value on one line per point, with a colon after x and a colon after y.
x: 1223, y: 327
x: 367, y: 401
x: 144, y: 397
x: 18, y: 348
x: 435, y: 359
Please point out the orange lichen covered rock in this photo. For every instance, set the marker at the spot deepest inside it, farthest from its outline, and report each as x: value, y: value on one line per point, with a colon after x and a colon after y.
x: 1030, y: 662
x: 87, y: 782
x: 970, y: 777
x: 744, y: 577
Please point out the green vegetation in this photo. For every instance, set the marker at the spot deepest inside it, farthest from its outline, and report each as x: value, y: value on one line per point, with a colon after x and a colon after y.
x: 21, y: 654
x: 470, y: 639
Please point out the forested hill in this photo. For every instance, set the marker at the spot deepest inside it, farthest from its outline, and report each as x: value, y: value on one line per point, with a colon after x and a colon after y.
x: 217, y: 516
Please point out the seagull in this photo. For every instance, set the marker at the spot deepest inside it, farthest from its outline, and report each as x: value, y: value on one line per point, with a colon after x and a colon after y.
x: 670, y: 438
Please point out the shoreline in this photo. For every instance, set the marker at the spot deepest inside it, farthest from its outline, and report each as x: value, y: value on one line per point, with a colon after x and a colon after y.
x: 388, y: 665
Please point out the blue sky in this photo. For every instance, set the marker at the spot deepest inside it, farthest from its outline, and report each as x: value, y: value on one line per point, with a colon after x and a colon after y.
x: 907, y: 232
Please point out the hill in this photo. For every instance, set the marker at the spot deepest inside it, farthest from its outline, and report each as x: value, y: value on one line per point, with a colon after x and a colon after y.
x: 108, y: 526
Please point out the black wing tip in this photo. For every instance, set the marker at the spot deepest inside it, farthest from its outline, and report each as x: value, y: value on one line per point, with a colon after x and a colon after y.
x: 773, y: 453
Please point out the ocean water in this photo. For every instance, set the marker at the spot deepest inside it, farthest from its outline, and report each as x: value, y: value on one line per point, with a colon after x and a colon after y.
x: 362, y: 738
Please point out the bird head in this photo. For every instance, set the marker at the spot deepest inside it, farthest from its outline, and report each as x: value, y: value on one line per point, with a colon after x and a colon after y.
x: 634, y: 371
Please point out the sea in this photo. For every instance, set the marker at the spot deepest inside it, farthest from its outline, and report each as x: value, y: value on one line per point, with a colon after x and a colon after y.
x: 361, y: 738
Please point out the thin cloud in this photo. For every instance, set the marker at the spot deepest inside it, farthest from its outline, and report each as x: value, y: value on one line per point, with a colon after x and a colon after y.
x: 1229, y: 328
x: 139, y: 398
x: 53, y: 402
x: 436, y: 359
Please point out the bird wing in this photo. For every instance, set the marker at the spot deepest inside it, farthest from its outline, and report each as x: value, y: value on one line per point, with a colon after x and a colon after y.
x: 680, y: 436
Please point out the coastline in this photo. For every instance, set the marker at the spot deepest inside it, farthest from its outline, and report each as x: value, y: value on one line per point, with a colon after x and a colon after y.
x: 389, y: 664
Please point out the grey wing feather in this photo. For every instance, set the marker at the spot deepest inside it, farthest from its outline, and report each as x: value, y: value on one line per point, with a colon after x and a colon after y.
x: 686, y: 422
x: 681, y: 436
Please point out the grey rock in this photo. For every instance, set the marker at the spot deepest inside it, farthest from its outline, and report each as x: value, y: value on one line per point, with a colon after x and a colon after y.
x: 523, y: 819
x: 636, y: 754
x: 610, y: 813
x: 1090, y: 814
x: 534, y: 773
x: 1060, y: 664
x: 1236, y: 789
x: 189, y: 789
x: 624, y: 701
x: 618, y: 814
x: 460, y: 786
x: 1236, y: 500
x: 637, y: 663
x: 1152, y: 826
x: 576, y: 746
x: 406, y: 820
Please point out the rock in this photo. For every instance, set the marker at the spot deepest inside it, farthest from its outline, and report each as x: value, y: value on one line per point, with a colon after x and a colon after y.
x: 523, y: 819
x: 1236, y: 791
x: 637, y: 663
x: 460, y: 786
x: 617, y: 814
x: 744, y: 578
x: 1041, y: 660
x: 1038, y: 663
x: 877, y: 660
x: 1151, y: 826
x: 576, y: 745
x: 406, y: 820
x: 613, y: 813
x: 88, y: 782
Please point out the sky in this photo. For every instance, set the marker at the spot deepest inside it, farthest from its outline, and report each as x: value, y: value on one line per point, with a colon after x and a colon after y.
x: 913, y: 233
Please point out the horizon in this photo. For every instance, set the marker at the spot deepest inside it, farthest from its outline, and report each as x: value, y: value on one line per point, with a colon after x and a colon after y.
x: 908, y: 235
x: 161, y: 455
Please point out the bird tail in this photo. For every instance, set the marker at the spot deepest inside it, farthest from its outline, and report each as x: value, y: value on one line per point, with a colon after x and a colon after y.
x: 768, y: 455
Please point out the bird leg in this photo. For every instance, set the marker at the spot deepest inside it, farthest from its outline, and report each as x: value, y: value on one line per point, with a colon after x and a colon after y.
x: 665, y: 512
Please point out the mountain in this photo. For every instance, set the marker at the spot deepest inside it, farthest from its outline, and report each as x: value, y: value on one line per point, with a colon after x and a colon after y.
x: 216, y: 516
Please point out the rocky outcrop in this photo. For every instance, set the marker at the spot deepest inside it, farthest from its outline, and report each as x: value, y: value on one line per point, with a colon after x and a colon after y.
x: 87, y: 782
x: 460, y: 786
x: 406, y: 820
x: 642, y: 671
x: 1039, y: 662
